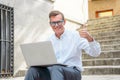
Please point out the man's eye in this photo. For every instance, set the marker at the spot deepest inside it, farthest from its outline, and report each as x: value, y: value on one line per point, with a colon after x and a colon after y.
x: 53, y: 22
x: 59, y: 22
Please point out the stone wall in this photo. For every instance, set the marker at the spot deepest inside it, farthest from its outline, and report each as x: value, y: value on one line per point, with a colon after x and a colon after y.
x: 99, y: 5
x: 30, y: 24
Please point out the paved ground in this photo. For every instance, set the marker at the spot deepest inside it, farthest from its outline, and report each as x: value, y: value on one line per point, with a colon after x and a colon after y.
x: 102, y: 77
x: 91, y: 77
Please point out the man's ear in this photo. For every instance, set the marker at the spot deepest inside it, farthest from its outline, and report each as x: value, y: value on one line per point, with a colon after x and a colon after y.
x: 64, y: 21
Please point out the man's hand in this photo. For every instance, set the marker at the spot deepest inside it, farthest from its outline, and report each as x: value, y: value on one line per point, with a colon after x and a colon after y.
x: 84, y: 33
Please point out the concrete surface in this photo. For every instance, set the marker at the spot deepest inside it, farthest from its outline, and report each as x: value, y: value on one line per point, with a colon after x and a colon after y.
x: 88, y: 77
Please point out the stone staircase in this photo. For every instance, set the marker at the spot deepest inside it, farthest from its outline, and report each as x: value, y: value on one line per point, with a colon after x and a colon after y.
x: 107, y: 32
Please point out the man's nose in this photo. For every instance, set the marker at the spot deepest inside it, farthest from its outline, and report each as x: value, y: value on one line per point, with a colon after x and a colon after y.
x: 56, y: 24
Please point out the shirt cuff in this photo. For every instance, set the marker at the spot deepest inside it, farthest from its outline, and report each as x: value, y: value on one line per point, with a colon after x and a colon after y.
x: 93, y: 42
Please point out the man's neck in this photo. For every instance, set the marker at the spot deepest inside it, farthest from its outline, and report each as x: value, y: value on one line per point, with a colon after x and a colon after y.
x: 58, y: 35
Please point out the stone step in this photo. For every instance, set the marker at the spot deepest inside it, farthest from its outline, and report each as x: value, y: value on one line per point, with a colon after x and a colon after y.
x: 118, y: 38
x: 102, y: 24
x: 101, y: 77
x: 102, y: 61
x: 104, y: 54
x: 101, y: 70
x: 103, y: 27
x: 108, y: 42
x: 89, y: 70
x: 84, y: 77
x: 102, y: 30
x: 110, y: 47
x: 21, y: 73
x: 105, y: 20
x: 108, y: 33
x: 106, y: 37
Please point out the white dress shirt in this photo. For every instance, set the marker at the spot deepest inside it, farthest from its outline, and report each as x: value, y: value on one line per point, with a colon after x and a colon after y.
x: 68, y: 49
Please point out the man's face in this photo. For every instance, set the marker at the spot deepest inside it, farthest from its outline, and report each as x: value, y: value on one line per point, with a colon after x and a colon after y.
x: 57, y: 23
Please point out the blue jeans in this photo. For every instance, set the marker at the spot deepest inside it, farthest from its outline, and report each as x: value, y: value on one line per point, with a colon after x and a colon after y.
x: 64, y: 73
x: 37, y: 73
x: 55, y: 72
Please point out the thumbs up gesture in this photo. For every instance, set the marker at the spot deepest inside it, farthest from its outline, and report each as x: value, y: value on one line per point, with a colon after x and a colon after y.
x: 84, y: 33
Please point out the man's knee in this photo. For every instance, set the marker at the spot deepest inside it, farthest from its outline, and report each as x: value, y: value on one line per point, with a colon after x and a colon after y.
x: 32, y: 69
x: 40, y: 73
x: 55, y: 68
x: 56, y: 72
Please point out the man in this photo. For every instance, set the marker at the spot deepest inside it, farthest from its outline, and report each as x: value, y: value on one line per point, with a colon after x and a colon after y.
x: 68, y: 46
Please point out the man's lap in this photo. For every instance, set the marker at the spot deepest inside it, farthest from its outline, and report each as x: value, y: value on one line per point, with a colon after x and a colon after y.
x: 64, y: 73
x: 69, y: 73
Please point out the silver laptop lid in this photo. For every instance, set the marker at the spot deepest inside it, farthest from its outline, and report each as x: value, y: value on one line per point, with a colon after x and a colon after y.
x: 40, y: 53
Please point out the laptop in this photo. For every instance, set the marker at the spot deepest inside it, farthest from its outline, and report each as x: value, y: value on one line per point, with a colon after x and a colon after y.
x: 39, y: 54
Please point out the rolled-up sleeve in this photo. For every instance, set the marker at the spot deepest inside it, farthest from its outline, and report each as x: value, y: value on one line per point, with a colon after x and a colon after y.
x: 94, y: 49
x: 91, y: 48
